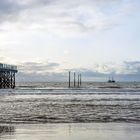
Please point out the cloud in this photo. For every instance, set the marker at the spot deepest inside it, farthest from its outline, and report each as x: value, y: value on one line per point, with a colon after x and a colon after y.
x: 34, y: 67
x: 8, y: 10
x: 132, y: 67
x: 40, y: 77
x: 124, y: 68
x: 1, y: 59
x: 126, y: 71
x: 60, y: 16
x: 4, y: 59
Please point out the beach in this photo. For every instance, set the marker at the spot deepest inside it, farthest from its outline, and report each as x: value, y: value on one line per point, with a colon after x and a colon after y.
x: 69, y: 69
x: 53, y: 111
x: 73, y: 131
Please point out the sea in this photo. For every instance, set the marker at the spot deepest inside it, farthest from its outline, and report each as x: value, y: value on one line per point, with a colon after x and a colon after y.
x: 106, y: 109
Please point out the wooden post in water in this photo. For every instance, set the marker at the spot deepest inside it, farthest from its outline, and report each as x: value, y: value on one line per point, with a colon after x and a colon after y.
x: 69, y: 79
x: 74, y: 80
x: 80, y: 80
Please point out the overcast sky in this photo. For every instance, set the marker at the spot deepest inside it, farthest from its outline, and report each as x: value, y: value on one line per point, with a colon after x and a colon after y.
x: 46, y: 38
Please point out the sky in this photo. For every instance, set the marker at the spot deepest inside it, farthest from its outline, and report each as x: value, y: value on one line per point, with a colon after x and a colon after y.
x: 48, y: 38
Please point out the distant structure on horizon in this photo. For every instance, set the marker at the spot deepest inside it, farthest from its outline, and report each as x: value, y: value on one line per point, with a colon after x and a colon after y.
x: 7, y: 75
x: 79, y: 80
x: 111, y: 80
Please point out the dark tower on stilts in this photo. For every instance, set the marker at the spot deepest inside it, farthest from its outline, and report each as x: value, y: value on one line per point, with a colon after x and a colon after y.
x: 7, y: 75
x: 74, y: 80
x: 80, y: 80
x: 69, y: 79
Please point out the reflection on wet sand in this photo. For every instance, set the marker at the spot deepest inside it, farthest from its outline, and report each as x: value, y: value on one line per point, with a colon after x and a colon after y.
x: 6, y: 130
x: 73, y: 131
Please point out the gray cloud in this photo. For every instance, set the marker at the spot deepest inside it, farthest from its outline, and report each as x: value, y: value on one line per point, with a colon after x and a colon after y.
x: 41, y: 77
x: 133, y: 67
x: 62, y: 15
x: 127, y: 71
x: 33, y: 67
x: 8, y: 10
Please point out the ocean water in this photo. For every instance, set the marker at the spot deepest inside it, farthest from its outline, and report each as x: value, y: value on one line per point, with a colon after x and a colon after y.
x: 56, y: 103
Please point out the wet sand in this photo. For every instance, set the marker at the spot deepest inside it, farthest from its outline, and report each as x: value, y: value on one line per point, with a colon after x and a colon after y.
x: 72, y: 131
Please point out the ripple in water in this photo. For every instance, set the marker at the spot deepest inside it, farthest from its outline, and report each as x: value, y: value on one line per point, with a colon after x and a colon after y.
x: 35, y: 104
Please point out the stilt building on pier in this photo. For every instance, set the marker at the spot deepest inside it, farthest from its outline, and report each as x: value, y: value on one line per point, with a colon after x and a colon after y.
x: 7, y: 75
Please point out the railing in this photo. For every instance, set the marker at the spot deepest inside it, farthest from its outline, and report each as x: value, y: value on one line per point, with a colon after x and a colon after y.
x: 8, y: 67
